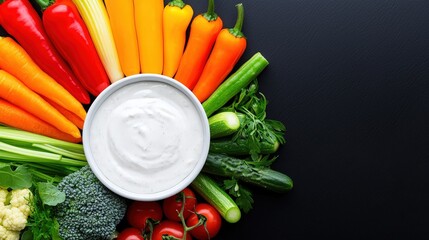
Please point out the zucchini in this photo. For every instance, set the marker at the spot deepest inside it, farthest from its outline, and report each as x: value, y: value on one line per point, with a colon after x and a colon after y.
x: 222, y: 165
x: 218, y: 198
x: 241, y: 147
x: 234, y: 83
x: 223, y: 124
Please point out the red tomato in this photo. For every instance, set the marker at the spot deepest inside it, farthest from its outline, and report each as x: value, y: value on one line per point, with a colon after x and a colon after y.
x: 138, y: 212
x: 130, y: 234
x: 213, y: 223
x: 169, y: 228
x: 173, y: 205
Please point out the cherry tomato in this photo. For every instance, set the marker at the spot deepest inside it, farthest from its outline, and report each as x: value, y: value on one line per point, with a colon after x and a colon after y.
x: 170, y: 228
x: 213, y: 223
x: 138, y: 212
x: 173, y: 205
x: 130, y: 234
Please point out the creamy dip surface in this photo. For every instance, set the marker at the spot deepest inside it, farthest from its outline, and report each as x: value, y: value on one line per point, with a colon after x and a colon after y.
x: 146, y: 137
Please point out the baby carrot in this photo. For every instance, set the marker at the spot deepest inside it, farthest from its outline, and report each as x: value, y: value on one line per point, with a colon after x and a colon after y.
x: 15, y: 60
x: 14, y: 116
x: 230, y: 45
x: 66, y: 113
x: 176, y: 18
x: 15, y: 92
x: 204, y: 30
x: 148, y: 19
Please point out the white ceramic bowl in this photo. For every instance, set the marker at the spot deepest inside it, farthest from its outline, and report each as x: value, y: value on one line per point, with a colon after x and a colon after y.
x: 112, y: 178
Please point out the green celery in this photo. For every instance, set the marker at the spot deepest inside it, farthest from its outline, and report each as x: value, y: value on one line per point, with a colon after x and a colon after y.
x: 23, y: 136
x: 65, y: 153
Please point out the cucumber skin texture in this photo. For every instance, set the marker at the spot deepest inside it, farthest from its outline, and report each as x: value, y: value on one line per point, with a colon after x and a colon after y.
x: 233, y: 84
x: 217, y: 197
x: 220, y: 127
x: 240, y: 147
x: 226, y: 166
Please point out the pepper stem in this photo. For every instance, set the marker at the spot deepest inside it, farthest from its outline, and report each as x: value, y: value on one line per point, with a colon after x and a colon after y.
x: 177, y: 3
x: 210, y: 15
x: 236, y: 31
x: 44, y: 3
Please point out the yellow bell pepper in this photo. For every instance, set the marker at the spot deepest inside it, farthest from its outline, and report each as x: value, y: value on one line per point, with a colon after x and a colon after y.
x: 121, y: 14
x: 148, y: 19
x: 176, y: 19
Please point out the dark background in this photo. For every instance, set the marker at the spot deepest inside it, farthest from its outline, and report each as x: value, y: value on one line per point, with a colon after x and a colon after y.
x: 350, y: 80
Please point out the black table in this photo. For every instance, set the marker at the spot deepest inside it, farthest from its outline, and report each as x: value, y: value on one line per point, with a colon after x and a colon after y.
x: 350, y: 79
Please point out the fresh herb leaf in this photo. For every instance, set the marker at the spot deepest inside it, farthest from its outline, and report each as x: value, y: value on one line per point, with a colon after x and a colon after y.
x: 262, y: 161
x: 17, y: 178
x: 243, y: 197
x: 41, y: 222
x: 251, y: 107
x: 244, y: 200
x: 49, y: 194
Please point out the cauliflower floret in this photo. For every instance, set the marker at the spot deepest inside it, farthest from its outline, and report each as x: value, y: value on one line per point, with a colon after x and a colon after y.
x: 20, y: 199
x: 3, y: 195
x: 13, y: 218
x: 8, y: 235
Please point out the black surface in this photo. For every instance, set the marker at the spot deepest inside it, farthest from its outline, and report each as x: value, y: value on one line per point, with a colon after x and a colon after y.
x: 350, y: 79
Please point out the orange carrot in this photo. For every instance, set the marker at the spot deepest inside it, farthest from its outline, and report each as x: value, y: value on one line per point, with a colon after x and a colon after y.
x: 69, y: 115
x: 15, y: 92
x: 15, y: 60
x: 14, y: 116
x: 230, y: 45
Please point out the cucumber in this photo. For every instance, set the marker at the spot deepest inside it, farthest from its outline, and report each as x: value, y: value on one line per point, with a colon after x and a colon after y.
x: 223, y: 124
x: 226, y: 166
x: 218, y: 198
x: 234, y: 83
x: 240, y: 147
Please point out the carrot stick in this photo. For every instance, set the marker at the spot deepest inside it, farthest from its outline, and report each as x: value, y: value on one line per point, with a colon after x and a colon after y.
x: 69, y: 115
x: 15, y: 92
x: 14, y: 116
x: 15, y: 60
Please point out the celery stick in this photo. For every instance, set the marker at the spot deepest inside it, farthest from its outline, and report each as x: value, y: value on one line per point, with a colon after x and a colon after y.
x: 28, y: 153
x: 60, y: 151
x: 23, y: 136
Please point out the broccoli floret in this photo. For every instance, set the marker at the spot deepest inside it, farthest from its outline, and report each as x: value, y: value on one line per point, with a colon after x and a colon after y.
x: 90, y: 211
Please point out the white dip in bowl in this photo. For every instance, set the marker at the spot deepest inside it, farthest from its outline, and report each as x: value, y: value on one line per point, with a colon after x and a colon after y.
x: 146, y: 137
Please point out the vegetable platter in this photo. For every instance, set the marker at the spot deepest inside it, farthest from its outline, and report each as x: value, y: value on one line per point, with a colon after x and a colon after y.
x: 67, y: 52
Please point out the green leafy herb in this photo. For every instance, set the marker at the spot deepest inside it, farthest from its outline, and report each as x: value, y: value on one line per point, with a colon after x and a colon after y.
x: 41, y: 223
x: 17, y: 178
x: 254, y: 127
x: 49, y: 194
x: 243, y: 197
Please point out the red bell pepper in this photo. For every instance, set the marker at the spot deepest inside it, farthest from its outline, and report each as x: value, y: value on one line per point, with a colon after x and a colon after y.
x: 21, y: 21
x: 71, y: 37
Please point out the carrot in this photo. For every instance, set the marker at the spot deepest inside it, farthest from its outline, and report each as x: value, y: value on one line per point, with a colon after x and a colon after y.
x: 66, y: 113
x: 14, y: 116
x: 15, y: 60
x: 15, y: 92
x: 229, y: 46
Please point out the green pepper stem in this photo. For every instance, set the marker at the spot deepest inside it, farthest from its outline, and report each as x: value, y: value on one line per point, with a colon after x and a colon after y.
x: 236, y: 31
x: 210, y: 15
x: 45, y: 3
x: 177, y: 3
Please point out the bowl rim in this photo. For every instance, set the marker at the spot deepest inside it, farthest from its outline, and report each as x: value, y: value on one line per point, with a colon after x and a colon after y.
x: 105, y: 94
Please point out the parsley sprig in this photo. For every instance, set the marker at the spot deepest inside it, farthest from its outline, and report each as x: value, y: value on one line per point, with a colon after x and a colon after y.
x: 250, y: 105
